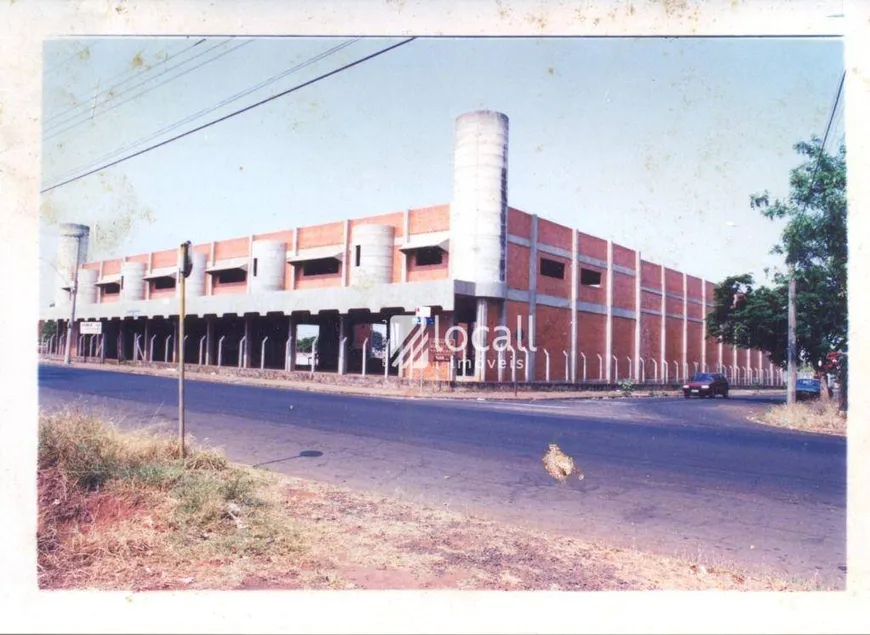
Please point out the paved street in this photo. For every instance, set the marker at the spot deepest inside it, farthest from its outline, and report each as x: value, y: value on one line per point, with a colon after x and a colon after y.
x: 669, y: 475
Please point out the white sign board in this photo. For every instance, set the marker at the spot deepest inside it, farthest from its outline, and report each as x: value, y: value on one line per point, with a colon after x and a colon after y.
x: 423, y: 311
x: 91, y: 328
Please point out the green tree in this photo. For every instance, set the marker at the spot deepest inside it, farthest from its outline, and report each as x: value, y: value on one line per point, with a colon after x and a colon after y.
x: 814, y: 242
x: 306, y: 344
x: 377, y: 341
x: 49, y: 328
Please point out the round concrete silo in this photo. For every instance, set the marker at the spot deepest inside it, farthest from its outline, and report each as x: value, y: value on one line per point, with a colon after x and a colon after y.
x: 73, y: 240
x: 87, y: 291
x: 195, y: 283
x: 478, y: 212
x: 133, y: 275
x: 372, y: 254
x: 268, y: 260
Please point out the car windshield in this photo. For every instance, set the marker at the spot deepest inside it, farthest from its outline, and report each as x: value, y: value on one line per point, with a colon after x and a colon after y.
x: 702, y: 377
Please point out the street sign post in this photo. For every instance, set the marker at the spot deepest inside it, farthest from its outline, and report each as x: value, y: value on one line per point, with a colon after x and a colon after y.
x: 90, y: 328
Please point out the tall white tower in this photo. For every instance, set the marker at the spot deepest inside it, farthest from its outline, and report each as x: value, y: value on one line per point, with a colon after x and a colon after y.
x: 478, y: 212
x: 73, y: 238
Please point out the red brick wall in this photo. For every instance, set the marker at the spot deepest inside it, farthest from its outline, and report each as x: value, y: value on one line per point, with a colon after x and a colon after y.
x: 550, y: 233
x: 650, y: 342
x: 591, y: 330
x: 321, y: 235
x: 592, y: 246
x: 429, y: 219
x: 517, y: 266
x: 554, y: 286
x: 693, y: 346
x: 232, y: 248
x: 623, y: 291
x: 519, y: 223
x: 552, y: 332
x: 623, y: 346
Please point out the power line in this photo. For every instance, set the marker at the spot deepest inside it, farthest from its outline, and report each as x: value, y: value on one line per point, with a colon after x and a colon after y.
x: 209, y: 109
x: 70, y: 57
x: 109, y: 90
x: 232, y: 114
x: 827, y: 131
x: 148, y: 90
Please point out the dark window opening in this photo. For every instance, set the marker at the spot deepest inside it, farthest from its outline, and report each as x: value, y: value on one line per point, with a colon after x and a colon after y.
x: 590, y: 278
x: 320, y: 267
x: 165, y: 282
x: 552, y: 268
x: 122, y: 283
x: 429, y: 256
x: 357, y: 255
x: 255, y: 267
x: 111, y: 289
x: 230, y: 276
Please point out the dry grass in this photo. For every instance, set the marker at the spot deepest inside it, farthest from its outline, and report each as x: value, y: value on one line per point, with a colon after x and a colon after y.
x: 119, y: 510
x: 122, y: 510
x: 810, y: 416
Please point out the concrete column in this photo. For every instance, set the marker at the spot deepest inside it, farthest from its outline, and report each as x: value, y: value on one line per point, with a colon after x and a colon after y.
x: 533, y: 293
x: 637, y: 314
x: 502, y: 320
x: 703, y: 323
x: 663, y: 362
x: 345, y: 270
x: 148, y: 282
x: 209, y: 339
x: 293, y: 267
x: 406, y: 230
x: 145, y: 342
x: 684, y: 371
x: 575, y: 274
x: 122, y: 332
x: 720, y: 356
x: 734, y: 362
x: 608, y: 325
x: 480, y: 340
x: 99, y: 288
x: 246, y: 356
x: 250, y: 268
x: 209, y: 279
x: 342, y: 344
x: 291, y: 336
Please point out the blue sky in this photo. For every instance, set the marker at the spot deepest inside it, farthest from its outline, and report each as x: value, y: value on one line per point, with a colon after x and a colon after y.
x: 654, y: 143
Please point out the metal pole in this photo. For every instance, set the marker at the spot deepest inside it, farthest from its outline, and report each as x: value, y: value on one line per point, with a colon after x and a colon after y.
x: 263, y: 353
x: 565, y: 353
x: 182, y: 284
x: 792, y: 338
x: 220, y: 350
x: 201, y: 342
x: 583, y: 355
x: 72, y: 315
x: 547, y: 355
x: 364, y: 355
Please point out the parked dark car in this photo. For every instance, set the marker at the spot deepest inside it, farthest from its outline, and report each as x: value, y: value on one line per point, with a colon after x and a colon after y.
x: 706, y: 385
x: 808, y: 389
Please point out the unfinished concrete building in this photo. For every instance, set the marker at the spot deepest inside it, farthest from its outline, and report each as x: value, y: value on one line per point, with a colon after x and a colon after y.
x: 579, y: 308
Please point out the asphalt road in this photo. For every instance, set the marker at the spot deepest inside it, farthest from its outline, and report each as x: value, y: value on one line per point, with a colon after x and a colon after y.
x: 668, y: 475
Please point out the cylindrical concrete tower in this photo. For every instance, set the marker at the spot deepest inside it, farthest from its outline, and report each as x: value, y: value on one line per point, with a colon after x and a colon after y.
x: 73, y: 238
x: 371, y: 255
x: 133, y: 280
x: 87, y: 286
x: 195, y: 283
x: 478, y: 212
x: 268, y: 261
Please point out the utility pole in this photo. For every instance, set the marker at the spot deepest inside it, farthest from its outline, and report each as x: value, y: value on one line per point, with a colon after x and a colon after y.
x: 792, y: 339
x: 185, y: 265
x: 67, y: 357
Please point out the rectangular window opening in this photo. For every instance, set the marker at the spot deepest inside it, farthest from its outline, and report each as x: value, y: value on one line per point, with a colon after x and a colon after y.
x: 552, y: 268
x: 111, y: 289
x: 590, y: 278
x: 320, y: 267
x: 427, y: 256
x: 231, y: 276
x: 166, y: 282
x: 357, y: 255
x: 255, y: 267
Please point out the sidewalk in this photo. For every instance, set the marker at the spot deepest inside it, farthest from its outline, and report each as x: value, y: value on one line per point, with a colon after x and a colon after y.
x: 406, y: 392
